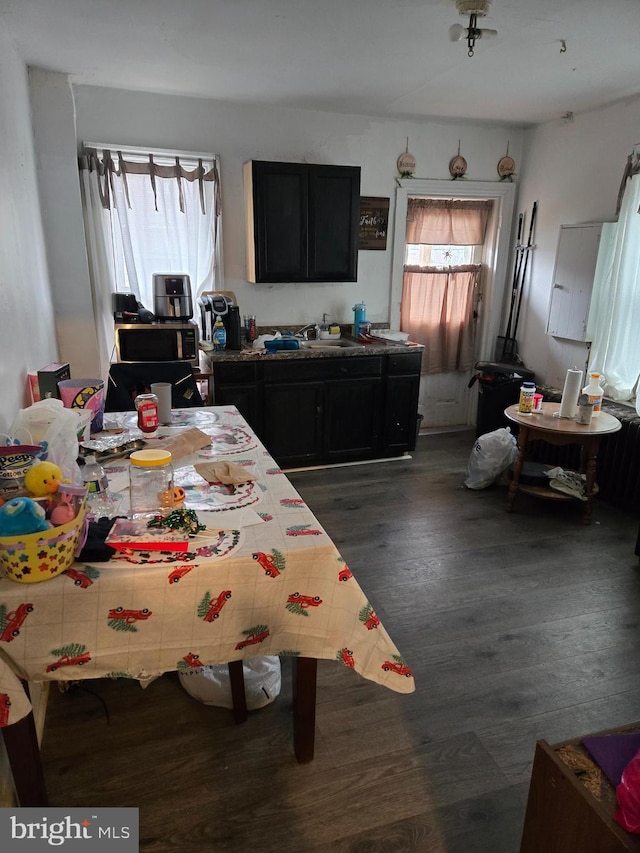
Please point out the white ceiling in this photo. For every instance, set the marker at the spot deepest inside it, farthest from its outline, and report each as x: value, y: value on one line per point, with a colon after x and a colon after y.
x: 388, y: 58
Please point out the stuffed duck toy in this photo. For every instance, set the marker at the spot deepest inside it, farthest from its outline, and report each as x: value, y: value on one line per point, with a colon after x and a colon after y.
x: 21, y: 516
x: 43, y: 479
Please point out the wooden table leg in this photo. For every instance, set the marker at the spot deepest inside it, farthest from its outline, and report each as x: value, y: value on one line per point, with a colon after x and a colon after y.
x: 238, y: 696
x: 21, y: 744
x: 523, y: 437
x: 304, y: 707
x: 589, y: 452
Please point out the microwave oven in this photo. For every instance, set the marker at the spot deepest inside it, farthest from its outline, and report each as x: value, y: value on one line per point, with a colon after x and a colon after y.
x: 157, y: 342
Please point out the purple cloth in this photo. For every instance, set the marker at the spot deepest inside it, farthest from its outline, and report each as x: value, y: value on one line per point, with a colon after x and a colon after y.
x: 612, y: 753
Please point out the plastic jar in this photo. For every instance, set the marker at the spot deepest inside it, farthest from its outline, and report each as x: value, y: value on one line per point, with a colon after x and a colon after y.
x: 594, y: 392
x: 525, y: 405
x: 150, y: 482
x: 147, y: 408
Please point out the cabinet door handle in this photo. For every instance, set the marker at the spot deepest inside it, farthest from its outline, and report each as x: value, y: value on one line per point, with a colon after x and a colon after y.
x: 558, y: 287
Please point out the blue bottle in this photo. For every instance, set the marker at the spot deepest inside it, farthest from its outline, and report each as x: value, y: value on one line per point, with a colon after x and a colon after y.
x: 359, y: 316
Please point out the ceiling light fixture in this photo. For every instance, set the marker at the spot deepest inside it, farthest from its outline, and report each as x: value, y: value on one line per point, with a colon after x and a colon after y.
x: 475, y: 9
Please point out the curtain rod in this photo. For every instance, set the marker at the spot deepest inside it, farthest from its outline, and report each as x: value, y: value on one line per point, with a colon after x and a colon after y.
x: 163, y: 152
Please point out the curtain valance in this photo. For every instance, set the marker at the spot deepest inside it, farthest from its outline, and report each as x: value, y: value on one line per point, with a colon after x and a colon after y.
x: 118, y: 164
x: 447, y: 222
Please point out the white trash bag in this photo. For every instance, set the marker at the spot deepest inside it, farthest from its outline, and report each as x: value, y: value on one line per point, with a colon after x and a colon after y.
x: 211, y: 684
x: 492, y: 454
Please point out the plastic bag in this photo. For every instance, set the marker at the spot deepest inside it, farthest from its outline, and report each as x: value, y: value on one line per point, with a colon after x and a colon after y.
x: 211, y: 684
x: 628, y: 792
x: 55, y: 429
x: 492, y: 453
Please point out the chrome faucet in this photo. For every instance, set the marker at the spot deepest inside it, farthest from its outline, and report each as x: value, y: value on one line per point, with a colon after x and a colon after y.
x: 303, y: 332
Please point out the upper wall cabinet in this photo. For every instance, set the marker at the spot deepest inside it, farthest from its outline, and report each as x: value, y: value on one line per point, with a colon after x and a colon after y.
x: 302, y: 221
x: 573, y: 276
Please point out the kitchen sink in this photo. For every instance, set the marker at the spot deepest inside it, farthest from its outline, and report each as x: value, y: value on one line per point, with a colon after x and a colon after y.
x: 339, y: 343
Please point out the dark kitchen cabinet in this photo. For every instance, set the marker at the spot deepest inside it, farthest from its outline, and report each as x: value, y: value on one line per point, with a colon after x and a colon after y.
x: 293, y: 422
x: 313, y: 411
x: 236, y: 384
x: 302, y: 221
x: 401, y: 405
x: 351, y: 418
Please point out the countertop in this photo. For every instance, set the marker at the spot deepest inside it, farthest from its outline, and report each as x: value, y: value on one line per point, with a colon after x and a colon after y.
x: 249, y: 354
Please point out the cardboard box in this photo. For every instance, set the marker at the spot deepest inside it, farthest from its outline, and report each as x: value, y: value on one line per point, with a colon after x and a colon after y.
x: 48, y: 378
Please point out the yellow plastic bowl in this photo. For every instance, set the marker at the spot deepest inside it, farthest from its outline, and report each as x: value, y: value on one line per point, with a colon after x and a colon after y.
x: 41, y: 556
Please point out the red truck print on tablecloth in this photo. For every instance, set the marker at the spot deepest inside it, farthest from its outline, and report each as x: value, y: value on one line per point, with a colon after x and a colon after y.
x: 303, y: 530
x: 83, y: 577
x: 178, y: 573
x: 346, y: 656
x: 189, y: 661
x: 209, y: 607
x: 257, y: 634
x: 273, y: 563
x: 297, y: 603
x: 11, y: 622
x: 368, y: 617
x: 292, y: 503
x: 397, y: 665
x: 345, y: 574
x: 121, y: 619
x: 75, y: 654
x: 5, y: 704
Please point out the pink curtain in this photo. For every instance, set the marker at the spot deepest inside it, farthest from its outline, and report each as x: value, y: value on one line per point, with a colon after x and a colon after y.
x: 438, y: 311
x: 443, y: 222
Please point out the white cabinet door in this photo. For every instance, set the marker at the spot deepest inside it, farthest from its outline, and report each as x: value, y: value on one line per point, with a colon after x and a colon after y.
x: 573, y: 280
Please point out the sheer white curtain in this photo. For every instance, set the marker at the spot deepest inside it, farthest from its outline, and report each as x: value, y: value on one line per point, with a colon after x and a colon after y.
x: 100, y: 260
x: 614, y: 317
x: 146, y: 213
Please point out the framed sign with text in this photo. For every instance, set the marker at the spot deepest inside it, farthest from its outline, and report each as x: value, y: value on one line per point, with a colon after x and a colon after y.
x: 374, y: 222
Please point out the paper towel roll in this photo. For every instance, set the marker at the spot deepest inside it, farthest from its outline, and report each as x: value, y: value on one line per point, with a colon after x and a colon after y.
x: 570, y: 394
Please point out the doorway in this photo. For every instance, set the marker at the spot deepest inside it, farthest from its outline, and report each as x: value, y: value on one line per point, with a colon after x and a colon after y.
x: 445, y: 399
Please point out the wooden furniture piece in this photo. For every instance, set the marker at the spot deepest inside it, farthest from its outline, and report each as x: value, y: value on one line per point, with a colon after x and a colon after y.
x: 302, y: 221
x: 344, y: 408
x: 554, y: 430
x: 263, y: 579
x: 563, y: 816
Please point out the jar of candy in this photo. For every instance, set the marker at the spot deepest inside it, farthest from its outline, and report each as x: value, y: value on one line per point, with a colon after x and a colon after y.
x: 147, y: 408
x: 151, y: 482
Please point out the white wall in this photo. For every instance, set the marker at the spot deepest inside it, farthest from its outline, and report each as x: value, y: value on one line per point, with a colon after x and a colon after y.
x: 55, y: 135
x: 27, y: 329
x: 574, y: 171
x: 239, y: 133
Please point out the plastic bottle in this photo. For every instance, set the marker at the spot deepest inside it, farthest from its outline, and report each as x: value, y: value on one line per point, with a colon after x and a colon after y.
x: 219, y: 335
x: 150, y: 482
x: 594, y: 392
x: 359, y: 316
x: 525, y: 405
x: 95, y: 480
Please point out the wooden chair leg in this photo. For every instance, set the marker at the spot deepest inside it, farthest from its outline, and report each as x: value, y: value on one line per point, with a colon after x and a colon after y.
x: 236, y: 676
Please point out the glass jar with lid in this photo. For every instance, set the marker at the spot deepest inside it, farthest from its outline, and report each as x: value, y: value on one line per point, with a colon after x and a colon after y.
x: 150, y: 482
x: 147, y: 408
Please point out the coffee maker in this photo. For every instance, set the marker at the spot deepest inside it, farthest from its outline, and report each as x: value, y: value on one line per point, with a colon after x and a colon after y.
x: 213, y: 305
x: 172, y: 297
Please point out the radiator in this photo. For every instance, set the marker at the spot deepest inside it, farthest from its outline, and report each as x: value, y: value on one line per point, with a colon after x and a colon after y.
x: 618, y: 462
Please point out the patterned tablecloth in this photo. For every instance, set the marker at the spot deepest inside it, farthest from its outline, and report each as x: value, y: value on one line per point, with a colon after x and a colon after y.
x: 264, y: 580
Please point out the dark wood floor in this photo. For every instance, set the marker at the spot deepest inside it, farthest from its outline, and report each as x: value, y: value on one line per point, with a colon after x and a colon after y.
x: 517, y: 627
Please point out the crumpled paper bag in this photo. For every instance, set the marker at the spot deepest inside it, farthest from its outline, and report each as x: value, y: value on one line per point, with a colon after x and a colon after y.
x: 225, y: 472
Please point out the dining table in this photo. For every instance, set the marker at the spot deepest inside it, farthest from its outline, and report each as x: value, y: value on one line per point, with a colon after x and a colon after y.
x: 262, y: 579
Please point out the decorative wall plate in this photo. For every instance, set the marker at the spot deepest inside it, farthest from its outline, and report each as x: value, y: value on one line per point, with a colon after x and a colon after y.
x: 457, y: 166
x: 506, y: 167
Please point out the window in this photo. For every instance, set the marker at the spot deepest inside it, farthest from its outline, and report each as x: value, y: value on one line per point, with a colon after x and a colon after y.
x: 148, y: 212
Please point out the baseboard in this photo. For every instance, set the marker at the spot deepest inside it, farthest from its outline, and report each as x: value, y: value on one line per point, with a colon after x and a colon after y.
x: 404, y: 457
